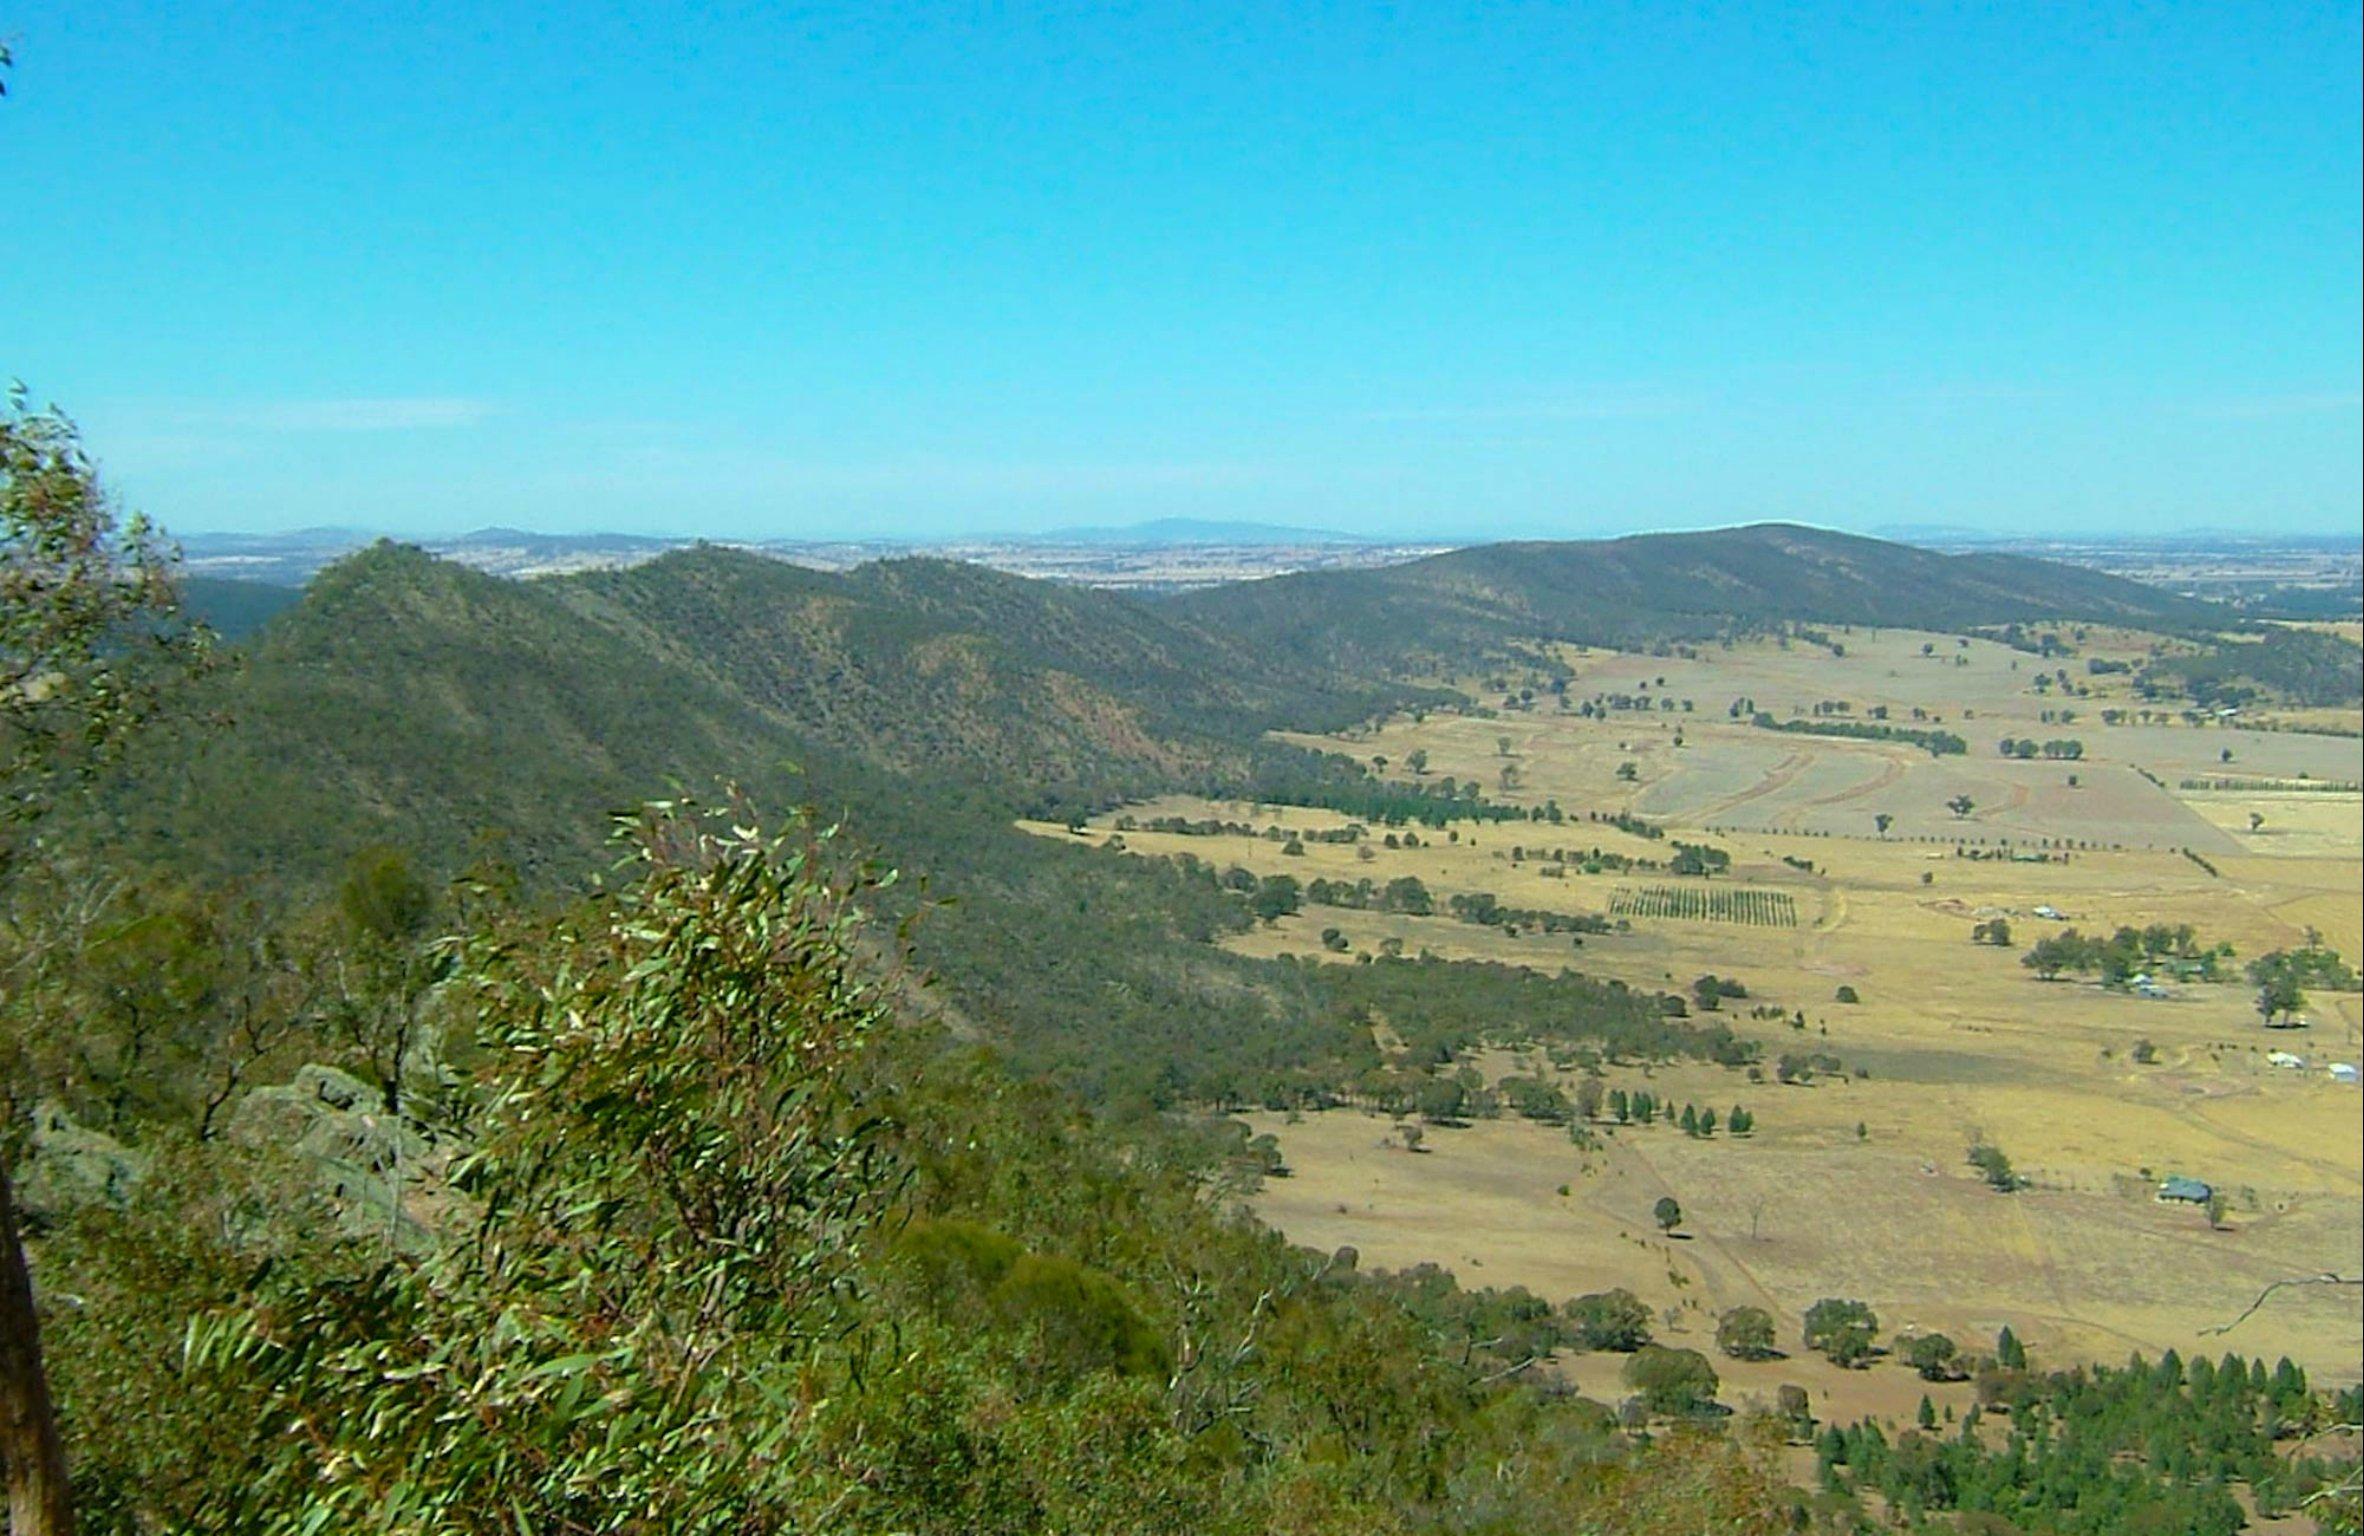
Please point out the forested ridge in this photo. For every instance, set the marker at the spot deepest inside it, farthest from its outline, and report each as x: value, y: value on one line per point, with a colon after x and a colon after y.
x: 1451, y: 609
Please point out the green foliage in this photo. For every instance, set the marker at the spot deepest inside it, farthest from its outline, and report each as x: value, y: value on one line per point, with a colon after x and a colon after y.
x: 1609, y: 1320
x: 1934, y: 1356
x: 2125, y: 953
x: 1746, y: 1333
x: 1995, y: 1168
x: 91, y: 636
x: 1841, y: 1329
x: 2147, y: 1447
x: 1675, y: 1382
x: 2282, y: 977
x: 2272, y: 663
x: 666, y: 1186
x: 1935, y: 742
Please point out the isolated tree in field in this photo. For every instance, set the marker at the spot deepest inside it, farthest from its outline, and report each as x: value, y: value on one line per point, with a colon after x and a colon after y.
x: 1995, y: 1167
x: 1961, y: 806
x: 1502, y: 746
x: 2009, y: 1352
x: 1627, y: 772
x: 1883, y: 821
x: 1690, y: 1125
x: 1841, y: 1330
x: 1417, y: 760
x: 1667, y: 1213
x: 1620, y: 1106
x: 90, y: 639
x: 1608, y: 1320
x: 2278, y: 996
x: 1741, y: 1121
x: 1746, y: 1333
x: 1934, y: 1356
x: 1674, y: 1382
x: 1589, y: 1094
x: 2255, y: 821
x: 1707, y: 1123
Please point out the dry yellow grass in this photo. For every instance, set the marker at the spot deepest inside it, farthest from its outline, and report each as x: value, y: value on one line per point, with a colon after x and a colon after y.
x: 1959, y: 1041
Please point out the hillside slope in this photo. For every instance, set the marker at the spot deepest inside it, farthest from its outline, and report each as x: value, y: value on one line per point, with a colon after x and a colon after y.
x: 1477, y: 602
x: 930, y: 665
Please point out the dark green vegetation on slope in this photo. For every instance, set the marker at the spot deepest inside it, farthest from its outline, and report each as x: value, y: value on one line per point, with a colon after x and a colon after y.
x: 688, y: 1228
x: 234, y: 609
x: 2292, y: 666
x: 1455, y: 608
x: 412, y: 703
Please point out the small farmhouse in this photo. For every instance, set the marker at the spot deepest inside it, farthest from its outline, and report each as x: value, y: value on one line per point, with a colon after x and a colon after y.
x: 2188, y: 1191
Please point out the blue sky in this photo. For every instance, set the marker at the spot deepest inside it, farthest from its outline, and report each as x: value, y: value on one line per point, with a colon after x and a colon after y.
x: 1439, y: 270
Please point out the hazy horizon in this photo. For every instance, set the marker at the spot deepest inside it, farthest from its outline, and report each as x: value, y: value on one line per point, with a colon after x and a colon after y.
x: 1255, y: 531
x: 1457, y: 275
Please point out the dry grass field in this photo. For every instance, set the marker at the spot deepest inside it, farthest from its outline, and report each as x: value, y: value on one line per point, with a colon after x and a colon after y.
x: 1857, y: 1185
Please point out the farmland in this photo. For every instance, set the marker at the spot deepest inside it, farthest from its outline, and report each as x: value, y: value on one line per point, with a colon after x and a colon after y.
x: 1862, y: 874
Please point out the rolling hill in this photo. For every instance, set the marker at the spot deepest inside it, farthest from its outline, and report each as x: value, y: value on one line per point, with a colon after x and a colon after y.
x: 1473, y: 603
x: 412, y: 693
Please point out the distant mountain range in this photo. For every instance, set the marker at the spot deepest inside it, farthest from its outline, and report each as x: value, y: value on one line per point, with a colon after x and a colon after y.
x: 1231, y: 550
x: 1172, y: 531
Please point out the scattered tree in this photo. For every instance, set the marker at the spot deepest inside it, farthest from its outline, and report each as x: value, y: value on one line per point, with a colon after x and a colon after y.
x: 1678, y: 1383
x: 1995, y: 1168
x: 1746, y: 1333
x: 1608, y: 1320
x: 1934, y: 1356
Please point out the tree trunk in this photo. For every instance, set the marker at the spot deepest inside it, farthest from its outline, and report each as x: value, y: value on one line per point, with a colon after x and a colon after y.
x: 38, y: 1499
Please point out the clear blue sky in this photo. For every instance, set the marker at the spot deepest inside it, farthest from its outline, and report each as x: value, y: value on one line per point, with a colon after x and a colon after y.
x: 1438, y: 270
